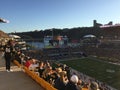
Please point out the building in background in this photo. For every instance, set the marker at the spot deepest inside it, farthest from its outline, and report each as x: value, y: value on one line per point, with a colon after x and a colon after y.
x: 55, y: 41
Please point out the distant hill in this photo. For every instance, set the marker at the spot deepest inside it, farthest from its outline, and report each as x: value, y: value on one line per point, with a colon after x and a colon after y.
x: 74, y: 33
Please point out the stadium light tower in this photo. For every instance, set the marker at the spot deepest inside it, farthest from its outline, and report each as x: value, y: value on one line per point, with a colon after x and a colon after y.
x: 3, y: 20
x: 52, y: 34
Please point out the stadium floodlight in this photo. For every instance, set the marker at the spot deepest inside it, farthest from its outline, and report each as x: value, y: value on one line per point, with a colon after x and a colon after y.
x: 3, y: 20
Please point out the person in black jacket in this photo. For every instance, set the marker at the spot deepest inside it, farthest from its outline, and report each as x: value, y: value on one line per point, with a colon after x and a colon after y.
x: 8, y: 54
x: 60, y: 82
x: 72, y: 84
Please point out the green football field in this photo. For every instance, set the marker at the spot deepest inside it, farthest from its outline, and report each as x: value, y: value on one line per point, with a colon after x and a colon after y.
x: 102, y: 71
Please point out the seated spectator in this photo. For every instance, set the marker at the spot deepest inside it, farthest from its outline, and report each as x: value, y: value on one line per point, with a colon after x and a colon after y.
x: 46, y: 64
x: 28, y: 62
x: 47, y: 72
x: 58, y: 71
x: 33, y: 66
x: 41, y: 68
x: 61, y: 82
x: 68, y: 70
x: 18, y: 56
x: 73, y: 83
x: 55, y: 75
x: 93, y: 86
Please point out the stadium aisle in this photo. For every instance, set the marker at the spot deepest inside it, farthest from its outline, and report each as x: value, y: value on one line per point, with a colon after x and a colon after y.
x: 16, y: 80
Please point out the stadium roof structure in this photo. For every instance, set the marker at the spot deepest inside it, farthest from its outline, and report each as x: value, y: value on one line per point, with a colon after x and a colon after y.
x: 89, y: 36
x: 3, y: 34
x: 14, y: 36
x: 3, y: 20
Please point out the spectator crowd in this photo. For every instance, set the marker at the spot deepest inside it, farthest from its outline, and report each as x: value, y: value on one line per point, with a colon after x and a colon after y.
x: 60, y: 76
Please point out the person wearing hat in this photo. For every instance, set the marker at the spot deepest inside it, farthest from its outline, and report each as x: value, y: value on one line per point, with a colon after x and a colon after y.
x: 72, y: 84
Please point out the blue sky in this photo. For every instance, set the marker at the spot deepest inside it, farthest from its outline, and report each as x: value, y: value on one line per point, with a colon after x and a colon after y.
x: 30, y: 15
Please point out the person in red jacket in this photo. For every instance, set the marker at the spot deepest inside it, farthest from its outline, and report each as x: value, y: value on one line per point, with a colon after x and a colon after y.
x: 28, y: 62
